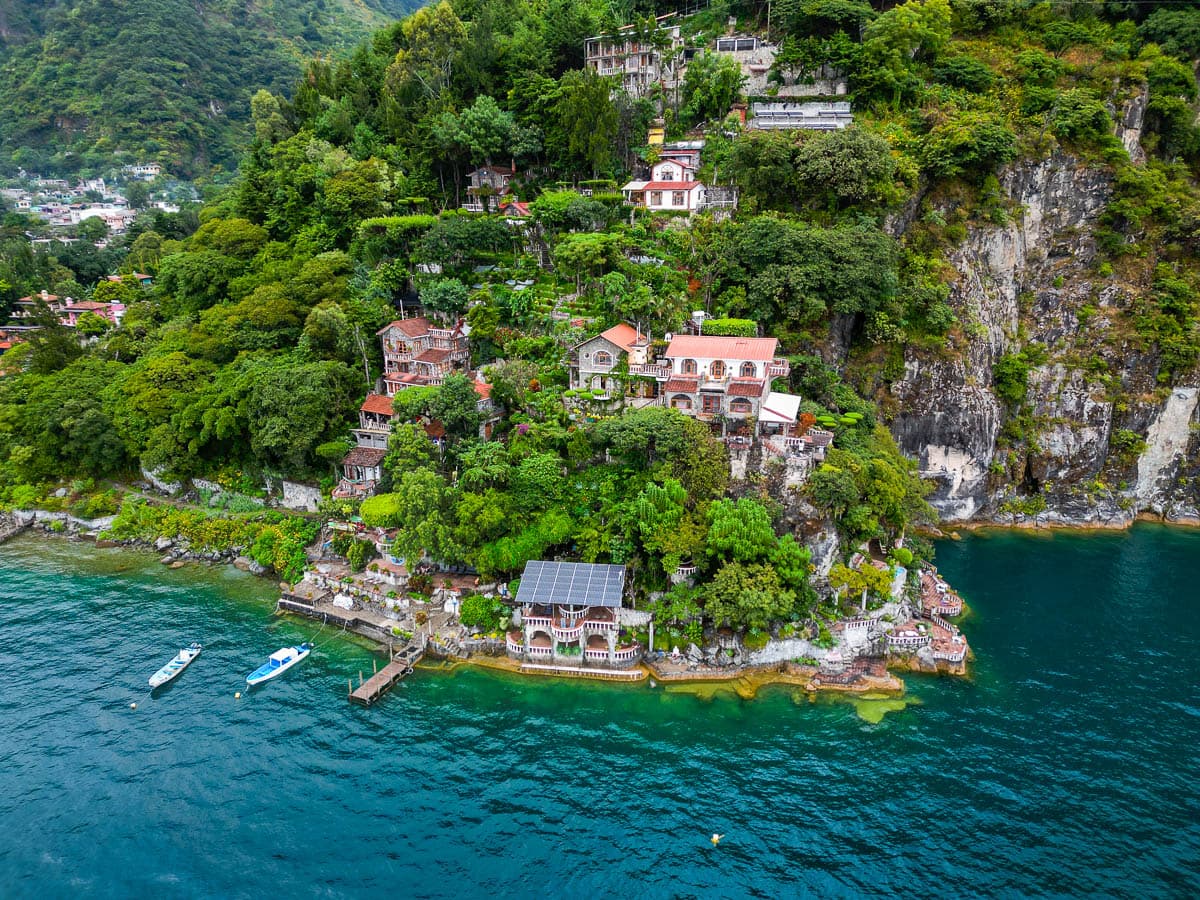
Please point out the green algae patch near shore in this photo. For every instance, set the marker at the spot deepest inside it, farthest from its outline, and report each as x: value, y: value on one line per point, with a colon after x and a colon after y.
x: 872, y: 708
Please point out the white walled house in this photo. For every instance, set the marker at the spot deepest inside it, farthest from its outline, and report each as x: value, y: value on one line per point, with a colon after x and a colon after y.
x: 673, y: 188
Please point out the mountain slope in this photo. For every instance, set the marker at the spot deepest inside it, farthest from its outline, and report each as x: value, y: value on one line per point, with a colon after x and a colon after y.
x: 168, y: 79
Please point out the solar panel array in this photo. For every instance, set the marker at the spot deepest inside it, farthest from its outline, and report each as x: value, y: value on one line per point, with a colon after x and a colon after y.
x: 577, y: 584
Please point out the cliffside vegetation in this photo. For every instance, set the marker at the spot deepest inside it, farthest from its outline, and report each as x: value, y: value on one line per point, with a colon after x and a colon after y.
x: 256, y: 343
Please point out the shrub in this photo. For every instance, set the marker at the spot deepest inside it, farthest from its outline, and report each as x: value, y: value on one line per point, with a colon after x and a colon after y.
x: 730, y: 327
x: 489, y: 614
x: 1079, y: 115
x: 965, y: 72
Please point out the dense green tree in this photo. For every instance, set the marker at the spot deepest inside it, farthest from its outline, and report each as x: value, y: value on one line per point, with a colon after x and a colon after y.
x: 747, y: 596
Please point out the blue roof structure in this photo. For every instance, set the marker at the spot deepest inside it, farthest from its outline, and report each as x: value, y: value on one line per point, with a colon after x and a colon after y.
x: 570, y: 583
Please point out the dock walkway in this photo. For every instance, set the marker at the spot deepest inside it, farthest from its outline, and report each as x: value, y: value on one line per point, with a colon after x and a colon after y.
x: 381, y: 682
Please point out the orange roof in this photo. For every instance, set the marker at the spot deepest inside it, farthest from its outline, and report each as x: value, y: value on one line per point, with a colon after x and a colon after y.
x: 483, y: 389
x: 712, y: 347
x: 624, y: 336
x: 411, y: 327
x: 377, y: 403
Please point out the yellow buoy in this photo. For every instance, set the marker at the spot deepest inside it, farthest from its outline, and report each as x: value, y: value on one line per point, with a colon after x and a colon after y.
x: 237, y: 696
x: 716, y: 839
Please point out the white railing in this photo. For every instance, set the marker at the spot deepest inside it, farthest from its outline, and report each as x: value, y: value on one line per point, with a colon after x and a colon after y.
x: 514, y: 646
x: 938, y: 620
x: 567, y: 634
x: 624, y: 654
x: 599, y: 626
x: 540, y: 651
x: 596, y: 654
x: 951, y: 655
x: 651, y: 369
x: 538, y: 621
x: 686, y: 571
x: 779, y: 368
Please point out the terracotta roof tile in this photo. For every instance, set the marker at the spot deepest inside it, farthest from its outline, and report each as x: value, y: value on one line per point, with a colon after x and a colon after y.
x: 684, y: 385
x: 484, y: 390
x: 377, y: 403
x: 364, y: 456
x: 729, y: 348
x: 624, y: 336
x: 745, y: 387
x: 670, y: 185
x: 410, y: 327
x: 432, y: 355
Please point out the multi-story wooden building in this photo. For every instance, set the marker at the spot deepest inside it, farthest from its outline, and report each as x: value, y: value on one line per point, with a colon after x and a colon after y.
x: 416, y: 352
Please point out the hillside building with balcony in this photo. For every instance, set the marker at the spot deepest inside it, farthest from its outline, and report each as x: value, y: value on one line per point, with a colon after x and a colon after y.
x: 638, y: 61
x: 570, y: 616
x: 594, y: 365
x: 416, y: 352
x: 488, y: 188
x: 673, y: 187
x: 727, y: 380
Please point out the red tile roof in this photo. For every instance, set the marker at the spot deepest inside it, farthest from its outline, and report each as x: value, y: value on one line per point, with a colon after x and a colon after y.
x: 670, y: 185
x: 432, y: 355
x: 377, y: 403
x: 410, y: 327
x: 727, y: 348
x: 745, y: 387
x: 435, y: 429
x: 624, y: 336
x: 685, y: 385
x: 364, y: 456
x: 483, y: 389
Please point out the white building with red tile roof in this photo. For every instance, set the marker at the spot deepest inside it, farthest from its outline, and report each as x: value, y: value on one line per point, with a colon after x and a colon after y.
x: 672, y: 187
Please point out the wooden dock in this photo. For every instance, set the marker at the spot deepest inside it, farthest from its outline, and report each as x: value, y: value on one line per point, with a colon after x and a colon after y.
x: 371, y: 689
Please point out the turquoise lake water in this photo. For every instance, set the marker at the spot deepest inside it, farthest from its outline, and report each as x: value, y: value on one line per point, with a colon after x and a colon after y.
x: 1068, y: 765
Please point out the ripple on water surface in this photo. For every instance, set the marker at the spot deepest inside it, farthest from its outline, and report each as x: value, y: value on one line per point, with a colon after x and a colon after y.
x: 1066, y: 765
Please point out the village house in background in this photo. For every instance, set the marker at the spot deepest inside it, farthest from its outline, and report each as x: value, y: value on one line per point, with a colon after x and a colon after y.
x: 67, y: 310
x: 571, y: 615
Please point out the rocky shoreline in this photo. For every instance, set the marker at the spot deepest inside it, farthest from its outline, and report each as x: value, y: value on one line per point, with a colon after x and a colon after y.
x: 176, y: 553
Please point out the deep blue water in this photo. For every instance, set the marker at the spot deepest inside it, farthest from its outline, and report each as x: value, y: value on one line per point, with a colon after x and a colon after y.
x: 1068, y: 765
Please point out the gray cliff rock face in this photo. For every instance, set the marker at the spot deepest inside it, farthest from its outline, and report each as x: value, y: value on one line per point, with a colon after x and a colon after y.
x: 1034, y: 282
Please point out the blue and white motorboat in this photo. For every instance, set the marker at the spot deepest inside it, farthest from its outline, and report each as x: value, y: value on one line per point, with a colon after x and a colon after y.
x: 171, y: 670
x: 279, y: 662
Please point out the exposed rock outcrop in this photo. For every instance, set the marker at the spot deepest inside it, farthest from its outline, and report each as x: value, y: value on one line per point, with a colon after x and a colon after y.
x: 1065, y: 456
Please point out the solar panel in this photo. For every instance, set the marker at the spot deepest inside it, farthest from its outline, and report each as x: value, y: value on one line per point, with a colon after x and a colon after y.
x: 576, y: 584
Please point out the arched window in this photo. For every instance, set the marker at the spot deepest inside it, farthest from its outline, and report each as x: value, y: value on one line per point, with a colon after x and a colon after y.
x: 603, y: 358
x: 681, y: 401
x: 689, y: 367
x: 740, y: 405
x: 717, y: 369
x: 748, y: 370
x: 667, y: 173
